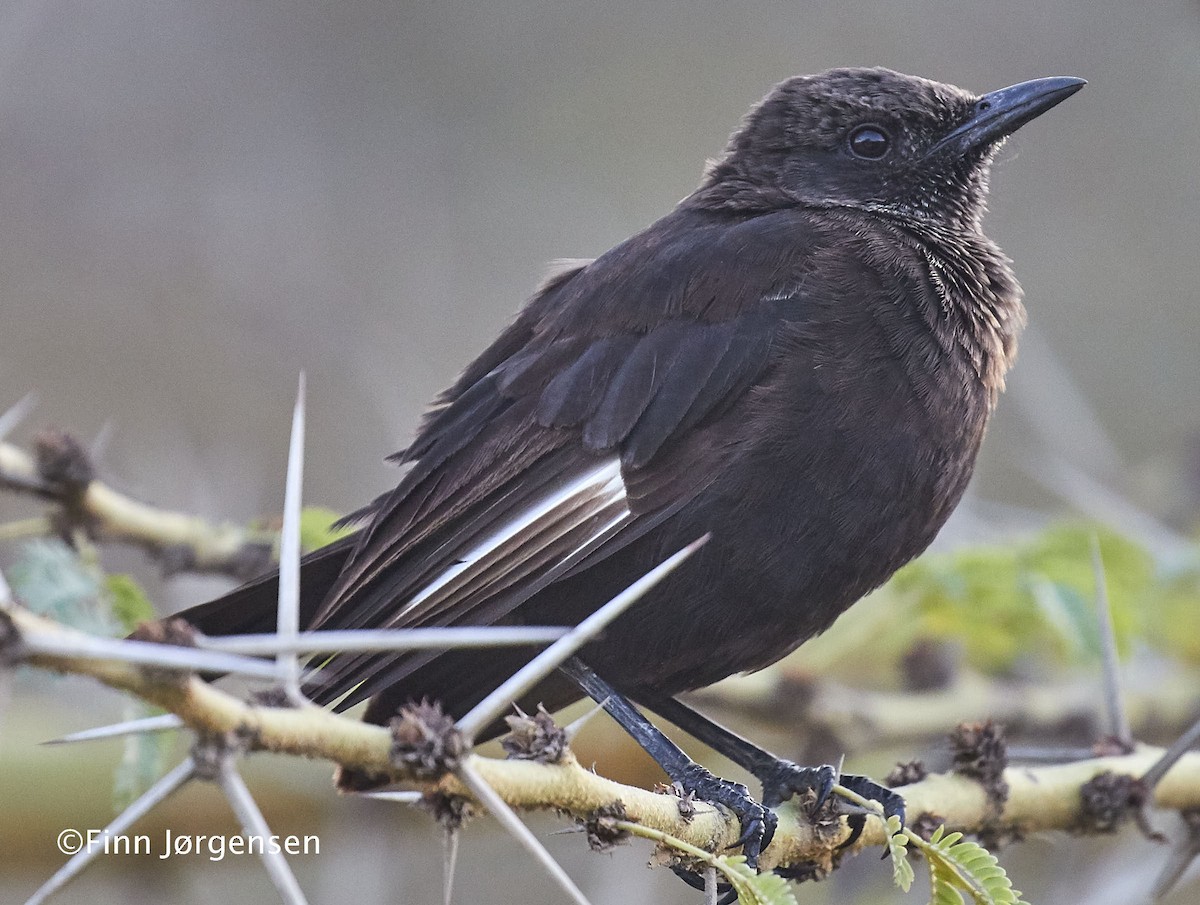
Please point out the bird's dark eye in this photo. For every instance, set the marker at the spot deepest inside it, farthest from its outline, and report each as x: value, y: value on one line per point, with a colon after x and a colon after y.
x: 869, y: 142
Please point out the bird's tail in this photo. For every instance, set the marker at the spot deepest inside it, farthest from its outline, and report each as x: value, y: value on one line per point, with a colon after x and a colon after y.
x: 457, y: 679
x: 252, y: 607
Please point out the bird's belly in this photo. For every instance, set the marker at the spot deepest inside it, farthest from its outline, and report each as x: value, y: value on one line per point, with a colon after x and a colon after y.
x: 795, y: 540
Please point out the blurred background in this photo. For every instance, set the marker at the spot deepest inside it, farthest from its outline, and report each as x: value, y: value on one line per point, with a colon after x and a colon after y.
x: 197, y: 201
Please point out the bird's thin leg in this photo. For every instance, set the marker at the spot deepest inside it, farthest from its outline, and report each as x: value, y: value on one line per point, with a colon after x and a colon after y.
x: 757, y: 822
x: 780, y: 778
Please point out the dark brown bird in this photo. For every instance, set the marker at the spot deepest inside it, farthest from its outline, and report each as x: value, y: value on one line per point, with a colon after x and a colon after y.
x: 800, y: 360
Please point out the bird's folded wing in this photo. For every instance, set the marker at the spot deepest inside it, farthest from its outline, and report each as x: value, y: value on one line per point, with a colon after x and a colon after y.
x: 567, y: 447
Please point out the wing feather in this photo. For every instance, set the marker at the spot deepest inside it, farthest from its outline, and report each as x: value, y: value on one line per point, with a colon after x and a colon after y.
x: 607, y: 381
x: 576, y: 392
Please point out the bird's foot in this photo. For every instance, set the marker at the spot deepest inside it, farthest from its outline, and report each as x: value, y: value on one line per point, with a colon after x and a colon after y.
x: 783, y: 779
x: 892, y: 802
x: 757, y: 822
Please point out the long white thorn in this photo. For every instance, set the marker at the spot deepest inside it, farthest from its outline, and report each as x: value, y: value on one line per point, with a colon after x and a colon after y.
x: 344, y: 641
x: 1171, y: 756
x: 548, y: 660
x: 138, y: 809
x: 1118, y: 719
x: 572, y: 729
x: 145, y: 653
x: 17, y: 413
x: 254, y: 824
x: 508, y: 818
x: 1185, y: 851
x: 1093, y: 498
x: 450, y: 841
x: 289, y: 554
x: 161, y: 723
x: 404, y: 796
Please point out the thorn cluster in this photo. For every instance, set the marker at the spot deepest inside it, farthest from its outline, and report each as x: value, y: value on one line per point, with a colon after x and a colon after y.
x: 980, y: 752
x: 425, y: 741
x: 602, y: 831
x: 534, y: 737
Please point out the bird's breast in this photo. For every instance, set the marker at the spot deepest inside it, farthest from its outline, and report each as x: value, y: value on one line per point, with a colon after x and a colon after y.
x: 856, y: 460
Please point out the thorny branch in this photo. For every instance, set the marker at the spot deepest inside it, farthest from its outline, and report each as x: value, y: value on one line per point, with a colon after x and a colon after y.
x: 426, y: 751
x: 1060, y: 797
x: 859, y: 718
x: 60, y: 472
x: 866, y: 718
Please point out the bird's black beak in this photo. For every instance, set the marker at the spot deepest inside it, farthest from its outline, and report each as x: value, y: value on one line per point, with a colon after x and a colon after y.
x: 1003, y: 112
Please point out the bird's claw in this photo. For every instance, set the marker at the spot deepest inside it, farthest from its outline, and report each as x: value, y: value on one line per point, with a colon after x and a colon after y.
x: 892, y: 802
x: 783, y: 779
x: 757, y: 822
x: 780, y: 781
x: 726, y: 894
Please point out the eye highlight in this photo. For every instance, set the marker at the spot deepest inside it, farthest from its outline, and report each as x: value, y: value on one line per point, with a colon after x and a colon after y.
x: 869, y: 142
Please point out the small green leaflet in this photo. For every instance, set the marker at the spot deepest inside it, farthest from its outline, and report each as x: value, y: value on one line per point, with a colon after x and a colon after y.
x: 317, y: 528
x: 960, y: 869
x: 902, y: 869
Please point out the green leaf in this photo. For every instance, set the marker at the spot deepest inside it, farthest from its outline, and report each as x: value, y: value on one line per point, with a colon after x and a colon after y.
x: 902, y: 869
x: 1040, y: 597
x: 143, y: 758
x: 128, y: 602
x: 52, y: 580
x: 960, y: 869
x: 752, y: 887
x: 317, y: 528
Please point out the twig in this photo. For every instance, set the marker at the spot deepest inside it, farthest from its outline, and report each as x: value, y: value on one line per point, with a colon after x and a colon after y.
x: 1040, y: 798
x: 864, y: 718
x: 181, y: 542
x: 37, y: 526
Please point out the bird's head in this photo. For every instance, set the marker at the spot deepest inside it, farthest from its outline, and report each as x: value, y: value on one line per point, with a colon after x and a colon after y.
x: 875, y: 139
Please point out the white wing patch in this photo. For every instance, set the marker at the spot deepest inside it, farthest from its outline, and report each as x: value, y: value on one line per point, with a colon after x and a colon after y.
x: 558, y: 526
